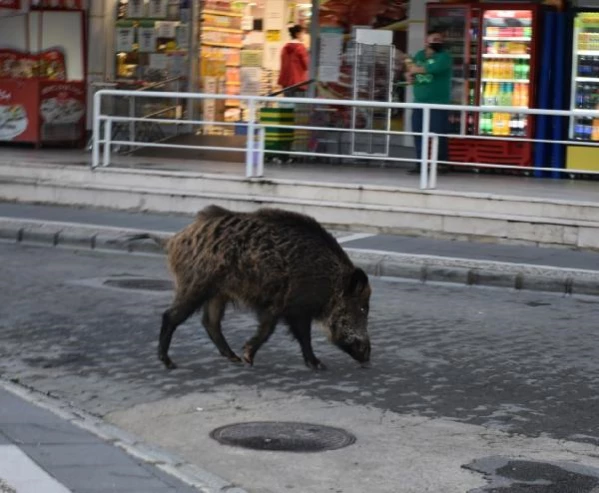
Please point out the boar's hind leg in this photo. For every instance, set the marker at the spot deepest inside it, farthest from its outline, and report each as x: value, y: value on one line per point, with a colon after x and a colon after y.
x: 267, y: 326
x: 213, y: 314
x: 179, y: 312
x: 301, y: 328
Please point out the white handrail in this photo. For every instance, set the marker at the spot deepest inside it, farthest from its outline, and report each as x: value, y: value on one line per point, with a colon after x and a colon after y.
x: 255, y: 145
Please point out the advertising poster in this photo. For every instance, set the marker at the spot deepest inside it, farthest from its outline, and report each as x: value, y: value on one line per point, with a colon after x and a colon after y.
x: 147, y: 39
x: 62, y: 111
x: 125, y: 37
x: 136, y: 9
x: 18, y: 111
x: 158, y: 9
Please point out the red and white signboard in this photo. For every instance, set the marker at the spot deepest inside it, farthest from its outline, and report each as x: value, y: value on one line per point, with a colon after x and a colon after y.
x: 10, y: 4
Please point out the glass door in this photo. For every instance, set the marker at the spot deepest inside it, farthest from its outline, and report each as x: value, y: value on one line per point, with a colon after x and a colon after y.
x: 507, y: 44
x: 585, y: 73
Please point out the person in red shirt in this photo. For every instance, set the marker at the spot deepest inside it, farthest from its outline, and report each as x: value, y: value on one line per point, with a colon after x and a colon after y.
x: 295, y: 62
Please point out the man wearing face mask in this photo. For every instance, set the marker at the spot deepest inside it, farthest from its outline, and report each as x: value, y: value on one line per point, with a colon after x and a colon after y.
x: 430, y: 73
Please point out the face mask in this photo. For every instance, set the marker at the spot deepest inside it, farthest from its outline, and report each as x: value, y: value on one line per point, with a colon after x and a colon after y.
x: 436, y: 46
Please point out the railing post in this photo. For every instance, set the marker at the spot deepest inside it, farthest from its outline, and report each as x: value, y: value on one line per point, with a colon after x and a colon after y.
x: 96, y: 130
x: 426, y: 123
x: 131, y: 123
x: 251, y: 136
x: 107, y: 141
x: 432, y: 182
x: 261, y: 143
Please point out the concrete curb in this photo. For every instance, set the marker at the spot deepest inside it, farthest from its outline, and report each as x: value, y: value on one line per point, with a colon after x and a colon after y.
x: 423, y: 268
x: 203, y: 481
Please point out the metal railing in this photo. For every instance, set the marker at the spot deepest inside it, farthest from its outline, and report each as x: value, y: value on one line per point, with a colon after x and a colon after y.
x: 255, y: 130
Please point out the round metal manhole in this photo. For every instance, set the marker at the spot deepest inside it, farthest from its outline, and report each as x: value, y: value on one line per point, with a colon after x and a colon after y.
x: 141, y: 284
x: 283, y: 436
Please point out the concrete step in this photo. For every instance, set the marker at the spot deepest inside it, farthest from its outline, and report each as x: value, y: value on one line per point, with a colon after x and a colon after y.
x: 104, y: 189
x: 429, y: 200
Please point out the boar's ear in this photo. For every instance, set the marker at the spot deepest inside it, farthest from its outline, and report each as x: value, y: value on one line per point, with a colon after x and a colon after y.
x: 357, y: 282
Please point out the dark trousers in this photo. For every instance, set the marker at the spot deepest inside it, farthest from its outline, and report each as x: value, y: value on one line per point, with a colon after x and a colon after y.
x: 439, y: 124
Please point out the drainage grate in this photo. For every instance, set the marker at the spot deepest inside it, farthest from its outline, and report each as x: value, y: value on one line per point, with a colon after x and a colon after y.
x: 141, y: 284
x: 283, y: 436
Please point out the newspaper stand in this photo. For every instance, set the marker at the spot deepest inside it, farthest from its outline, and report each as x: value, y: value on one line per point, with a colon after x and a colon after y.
x: 373, y: 70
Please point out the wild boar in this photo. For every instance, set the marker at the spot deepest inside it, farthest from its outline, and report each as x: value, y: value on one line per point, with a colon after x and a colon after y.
x: 284, y: 266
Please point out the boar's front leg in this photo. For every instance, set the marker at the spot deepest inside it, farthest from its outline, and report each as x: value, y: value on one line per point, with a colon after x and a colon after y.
x: 267, y: 325
x: 214, y: 311
x: 181, y: 309
x: 301, y: 328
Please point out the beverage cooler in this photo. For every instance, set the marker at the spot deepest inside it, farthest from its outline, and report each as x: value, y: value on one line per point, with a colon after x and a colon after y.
x: 584, y: 90
x: 500, y: 67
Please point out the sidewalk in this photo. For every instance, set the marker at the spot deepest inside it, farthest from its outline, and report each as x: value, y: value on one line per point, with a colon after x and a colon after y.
x: 426, y: 259
x: 42, y: 452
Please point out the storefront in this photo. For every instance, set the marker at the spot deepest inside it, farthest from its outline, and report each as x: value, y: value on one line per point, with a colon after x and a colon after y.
x: 42, y: 71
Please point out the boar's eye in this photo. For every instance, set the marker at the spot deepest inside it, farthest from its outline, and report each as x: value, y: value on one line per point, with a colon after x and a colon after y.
x: 364, y: 309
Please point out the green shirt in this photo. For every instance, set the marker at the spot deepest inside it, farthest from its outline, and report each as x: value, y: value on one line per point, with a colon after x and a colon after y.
x: 434, y: 86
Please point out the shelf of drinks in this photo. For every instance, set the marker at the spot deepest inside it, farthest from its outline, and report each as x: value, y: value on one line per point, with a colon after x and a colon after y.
x: 585, y: 129
x: 499, y: 38
x: 506, y: 55
x: 587, y: 79
x: 222, y: 12
x: 513, y: 81
x: 502, y: 124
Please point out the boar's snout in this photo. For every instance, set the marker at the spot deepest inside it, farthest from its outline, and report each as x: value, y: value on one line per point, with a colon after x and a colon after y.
x: 358, y: 349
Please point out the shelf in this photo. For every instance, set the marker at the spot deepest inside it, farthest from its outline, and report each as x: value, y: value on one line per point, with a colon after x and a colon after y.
x: 499, y: 38
x: 222, y: 29
x: 587, y: 79
x: 490, y: 107
x: 505, y: 55
x: 222, y: 12
x: 588, y: 52
x: 516, y: 81
x: 222, y: 45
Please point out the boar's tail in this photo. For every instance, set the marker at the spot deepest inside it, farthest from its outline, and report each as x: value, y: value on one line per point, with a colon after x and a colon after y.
x: 148, y: 236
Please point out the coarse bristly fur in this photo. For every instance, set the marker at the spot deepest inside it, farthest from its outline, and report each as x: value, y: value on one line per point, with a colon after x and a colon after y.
x: 284, y: 266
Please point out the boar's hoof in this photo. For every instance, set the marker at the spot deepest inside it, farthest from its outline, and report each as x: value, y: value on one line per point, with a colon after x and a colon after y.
x: 248, y: 355
x: 316, y: 365
x: 168, y: 362
x: 235, y: 359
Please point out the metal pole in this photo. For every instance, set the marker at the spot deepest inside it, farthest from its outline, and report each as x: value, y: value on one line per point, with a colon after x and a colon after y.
x: 261, y: 144
x: 432, y: 183
x: 96, y: 130
x: 107, y: 140
x: 426, y: 123
x: 251, y: 130
x: 132, y: 123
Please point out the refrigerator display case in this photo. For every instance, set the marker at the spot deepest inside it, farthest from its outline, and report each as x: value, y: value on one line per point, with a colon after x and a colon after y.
x: 584, y: 91
x: 460, y: 25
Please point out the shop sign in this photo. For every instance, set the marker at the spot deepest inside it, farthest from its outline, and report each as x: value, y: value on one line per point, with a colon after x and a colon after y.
x: 10, y: 4
x: 273, y: 36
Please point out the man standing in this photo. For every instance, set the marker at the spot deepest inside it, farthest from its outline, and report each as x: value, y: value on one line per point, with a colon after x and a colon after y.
x: 430, y: 73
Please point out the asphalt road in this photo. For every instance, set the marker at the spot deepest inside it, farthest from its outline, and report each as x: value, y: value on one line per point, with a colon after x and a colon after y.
x: 459, y: 375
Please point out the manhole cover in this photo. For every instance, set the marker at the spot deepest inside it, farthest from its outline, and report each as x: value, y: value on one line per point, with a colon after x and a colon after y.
x: 283, y: 436
x: 142, y: 284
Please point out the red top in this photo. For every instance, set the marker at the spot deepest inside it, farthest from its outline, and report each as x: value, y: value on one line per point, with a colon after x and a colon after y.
x: 294, y: 64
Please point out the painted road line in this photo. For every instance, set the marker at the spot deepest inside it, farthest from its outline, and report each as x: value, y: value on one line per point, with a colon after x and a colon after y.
x: 354, y: 237
x: 19, y: 473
